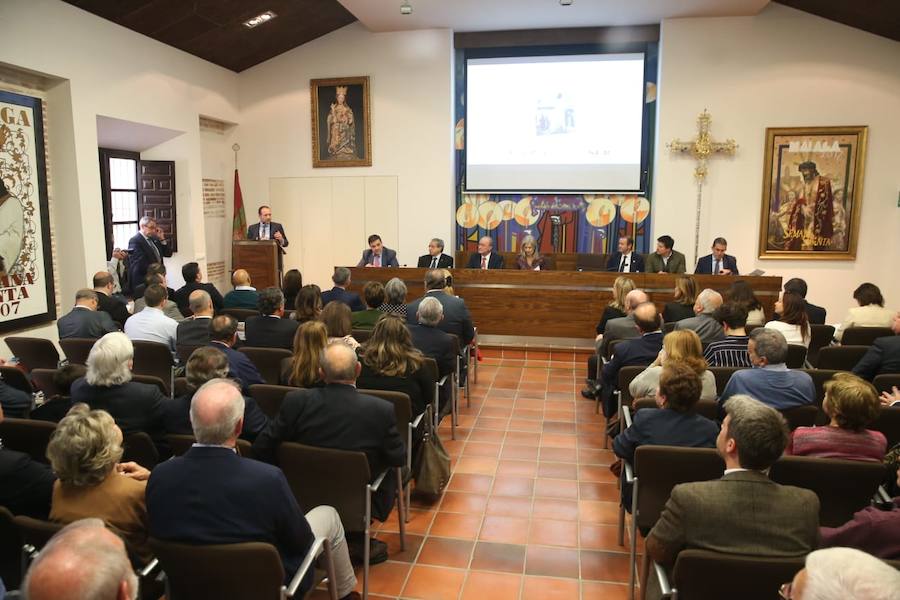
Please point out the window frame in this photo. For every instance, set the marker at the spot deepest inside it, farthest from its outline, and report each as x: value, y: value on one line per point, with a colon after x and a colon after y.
x: 107, y: 190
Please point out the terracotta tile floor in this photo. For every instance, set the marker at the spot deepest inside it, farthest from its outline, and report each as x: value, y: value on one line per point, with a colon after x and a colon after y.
x: 531, y: 509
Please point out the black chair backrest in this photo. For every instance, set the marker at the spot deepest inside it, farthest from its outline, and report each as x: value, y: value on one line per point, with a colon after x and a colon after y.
x: 155, y: 359
x: 270, y: 397
x: 611, y: 348
x: 722, y: 375
x: 626, y: 376
x: 241, y: 314
x: 888, y: 423
x: 181, y: 386
x: 843, y: 486
x: 401, y: 402
x: 42, y: 379
x: 36, y: 532
x: 140, y: 448
x: 34, y: 353
x: 267, y: 361
x: 669, y: 327
x: 28, y: 436
x: 863, y: 336
x: 361, y: 335
x: 796, y: 356
x: 431, y: 369
x: 10, y: 550
x: 704, y: 408
x: 151, y: 380
x: 886, y: 382
x: 819, y: 337
x: 52, y: 410
x: 77, y: 349
x: 244, y: 571
x: 184, y: 351
x: 801, y: 416
x: 15, y: 378
x: 703, y: 575
x: 840, y: 358
x: 820, y: 377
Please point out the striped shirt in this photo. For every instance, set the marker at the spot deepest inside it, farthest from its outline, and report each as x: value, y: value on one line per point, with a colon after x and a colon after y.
x: 730, y: 352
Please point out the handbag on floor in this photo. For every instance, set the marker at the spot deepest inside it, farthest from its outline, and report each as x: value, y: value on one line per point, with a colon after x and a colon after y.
x: 432, y: 465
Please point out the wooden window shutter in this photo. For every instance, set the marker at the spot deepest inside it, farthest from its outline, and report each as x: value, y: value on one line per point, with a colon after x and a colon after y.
x: 156, y: 196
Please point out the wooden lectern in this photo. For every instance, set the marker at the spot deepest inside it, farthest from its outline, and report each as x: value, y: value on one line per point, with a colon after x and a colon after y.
x: 260, y: 258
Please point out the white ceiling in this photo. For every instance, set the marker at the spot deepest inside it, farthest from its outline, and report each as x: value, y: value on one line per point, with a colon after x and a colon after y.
x: 491, y: 15
x: 119, y: 134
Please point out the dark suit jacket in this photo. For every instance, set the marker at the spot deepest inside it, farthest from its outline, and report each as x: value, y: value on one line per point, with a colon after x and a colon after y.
x: 178, y: 417
x: 240, y: 367
x: 676, y: 263
x: 816, y: 314
x: 141, y: 256
x: 134, y: 406
x: 214, y: 496
x: 494, y: 262
x: 665, y: 427
x: 676, y: 311
x: 637, y: 262
x: 114, y: 307
x: 270, y: 332
x: 351, y: 299
x: 26, y: 486
x: 457, y: 319
x: 388, y: 258
x: 436, y: 344
x: 253, y: 234
x: 638, y: 351
x: 85, y: 323
x: 193, y: 332
x: 705, y: 264
x: 416, y: 385
x: 883, y: 357
x: 182, y: 296
x: 445, y: 261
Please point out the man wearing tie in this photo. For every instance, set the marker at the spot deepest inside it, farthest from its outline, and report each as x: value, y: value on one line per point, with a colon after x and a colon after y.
x: 717, y: 263
x: 378, y: 255
x: 625, y: 260
x: 435, y: 259
x: 146, y: 247
x: 485, y: 258
x: 266, y: 229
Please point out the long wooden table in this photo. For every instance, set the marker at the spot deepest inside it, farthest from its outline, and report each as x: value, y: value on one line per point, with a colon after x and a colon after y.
x: 551, y: 304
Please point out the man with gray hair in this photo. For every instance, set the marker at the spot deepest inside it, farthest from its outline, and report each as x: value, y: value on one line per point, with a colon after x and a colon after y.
x: 770, y: 380
x: 339, y: 293
x: 85, y: 560
x: 435, y: 259
x: 146, y: 247
x: 842, y: 574
x: 212, y: 495
x: 270, y: 329
x: 194, y: 331
x: 744, y: 512
x: 85, y: 321
x: 704, y: 324
x: 457, y: 320
x: 485, y: 258
x: 620, y: 328
x: 430, y: 340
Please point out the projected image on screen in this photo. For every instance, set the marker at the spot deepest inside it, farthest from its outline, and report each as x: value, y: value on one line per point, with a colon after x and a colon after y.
x: 554, y: 123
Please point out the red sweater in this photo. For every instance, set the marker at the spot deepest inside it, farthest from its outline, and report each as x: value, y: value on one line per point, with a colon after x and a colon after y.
x: 834, y: 442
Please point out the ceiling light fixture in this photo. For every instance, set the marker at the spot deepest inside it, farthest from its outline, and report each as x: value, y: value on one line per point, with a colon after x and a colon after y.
x: 259, y: 19
x: 406, y: 8
x: 565, y: 2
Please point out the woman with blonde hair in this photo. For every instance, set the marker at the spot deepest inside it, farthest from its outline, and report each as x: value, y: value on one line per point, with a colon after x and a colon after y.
x: 302, y: 369
x: 84, y: 452
x: 616, y: 307
x: 682, y: 346
x: 685, y: 296
x: 336, y: 317
x: 390, y: 362
x: 530, y: 258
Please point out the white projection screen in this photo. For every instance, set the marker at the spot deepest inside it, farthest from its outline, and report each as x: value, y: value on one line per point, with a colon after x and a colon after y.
x: 564, y: 123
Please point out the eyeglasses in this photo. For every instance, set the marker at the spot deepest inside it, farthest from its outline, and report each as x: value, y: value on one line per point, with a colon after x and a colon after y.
x: 785, y: 591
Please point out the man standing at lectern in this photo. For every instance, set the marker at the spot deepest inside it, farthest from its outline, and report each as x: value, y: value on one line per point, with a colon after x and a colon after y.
x: 266, y: 229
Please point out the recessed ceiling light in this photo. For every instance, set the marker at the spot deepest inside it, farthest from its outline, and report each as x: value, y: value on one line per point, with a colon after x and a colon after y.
x: 565, y: 2
x: 259, y: 19
x: 406, y: 8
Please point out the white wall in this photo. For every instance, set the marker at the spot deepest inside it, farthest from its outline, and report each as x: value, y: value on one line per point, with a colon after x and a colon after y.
x: 781, y: 68
x: 412, y: 131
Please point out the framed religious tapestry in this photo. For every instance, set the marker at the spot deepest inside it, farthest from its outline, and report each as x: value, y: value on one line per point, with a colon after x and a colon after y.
x: 812, y: 192
x: 26, y: 265
x: 341, y: 122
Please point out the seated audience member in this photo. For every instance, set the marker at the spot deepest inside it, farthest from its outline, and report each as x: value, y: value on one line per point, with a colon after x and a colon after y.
x: 683, y: 305
x: 26, y: 486
x: 291, y: 284
x: 674, y: 423
x: 850, y: 404
x: 448, y: 282
x: 117, y: 267
x: 816, y: 314
x: 435, y: 259
x: 212, y: 495
x: 620, y: 328
x: 883, y: 356
x: 457, y: 320
x: 681, y: 347
x: 271, y: 329
x: 308, y: 304
x: 338, y: 416
x: 485, y: 258
x: 625, y: 260
x: 168, y: 307
x: 665, y: 259
x: 373, y: 294
x: 390, y: 362
x: 703, y: 323
x: 302, y: 369
x: 193, y: 281
x: 870, y: 312
x: 394, y: 298
x: 843, y: 574
x: 85, y: 321
x: 84, y: 452
x: 339, y: 292
x: 14, y: 401
x: 243, y: 295
x: 378, y: 255
x: 891, y: 398
x: 84, y: 560
x: 223, y: 335
x: 194, y: 331
x: 741, y: 293
x: 638, y: 351
x: 55, y: 407
x: 206, y: 364
x: 793, y: 322
x: 108, y: 386
x: 770, y: 380
x: 731, y: 351
x: 744, y: 512
x: 151, y: 324
x: 115, y: 307
x: 336, y: 316
x: 529, y: 258
x: 616, y: 307
x: 139, y: 287
x: 717, y: 263
x: 429, y: 339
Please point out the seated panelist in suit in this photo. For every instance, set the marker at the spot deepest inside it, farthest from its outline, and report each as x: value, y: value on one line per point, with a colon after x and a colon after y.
x: 267, y: 229
x: 85, y: 321
x: 435, y: 259
x: 665, y: 259
x: 378, y: 255
x: 146, y: 247
x: 625, y: 259
x: 717, y: 263
x: 529, y: 258
x: 271, y: 329
x: 339, y: 292
x: 485, y: 258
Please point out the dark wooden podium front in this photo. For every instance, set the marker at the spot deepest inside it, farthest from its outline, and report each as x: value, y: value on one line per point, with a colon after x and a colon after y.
x: 260, y: 259
x: 557, y: 304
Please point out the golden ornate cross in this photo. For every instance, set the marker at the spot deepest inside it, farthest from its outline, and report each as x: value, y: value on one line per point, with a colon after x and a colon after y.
x: 701, y: 149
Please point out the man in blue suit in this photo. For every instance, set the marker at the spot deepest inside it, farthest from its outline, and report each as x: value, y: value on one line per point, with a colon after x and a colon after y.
x: 223, y: 335
x: 211, y: 495
x: 717, y: 263
x: 146, y: 247
x: 625, y: 260
x: 642, y: 350
x: 378, y: 255
x: 266, y: 229
x: 341, y: 279
x: 485, y: 258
